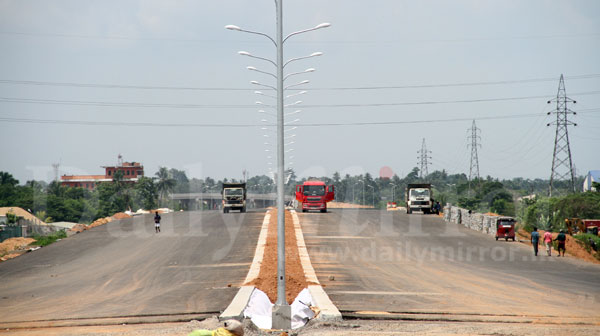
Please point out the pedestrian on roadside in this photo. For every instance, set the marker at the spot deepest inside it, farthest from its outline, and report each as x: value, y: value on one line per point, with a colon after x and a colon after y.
x: 535, y: 238
x: 157, y: 222
x: 548, y: 242
x: 561, y: 239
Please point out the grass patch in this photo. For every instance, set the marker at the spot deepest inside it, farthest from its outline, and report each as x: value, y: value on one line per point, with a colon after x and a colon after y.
x: 586, y: 239
x: 49, y: 239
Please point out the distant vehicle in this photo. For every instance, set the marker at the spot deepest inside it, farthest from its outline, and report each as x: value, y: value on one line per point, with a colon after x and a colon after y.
x: 505, y: 228
x: 419, y: 198
x: 575, y: 225
x: 392, y: 206
x: 234, y: 197
x: 314, y: 195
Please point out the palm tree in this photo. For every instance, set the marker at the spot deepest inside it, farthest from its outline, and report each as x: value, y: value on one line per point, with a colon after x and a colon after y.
x: 165, y: 183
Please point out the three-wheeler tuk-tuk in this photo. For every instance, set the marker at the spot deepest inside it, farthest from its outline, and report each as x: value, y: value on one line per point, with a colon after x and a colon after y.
x: 505, y: 228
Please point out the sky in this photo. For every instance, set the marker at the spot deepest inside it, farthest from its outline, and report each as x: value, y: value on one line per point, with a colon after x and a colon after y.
x: 161, y: 83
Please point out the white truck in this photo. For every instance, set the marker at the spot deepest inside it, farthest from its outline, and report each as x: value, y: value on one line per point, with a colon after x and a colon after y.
x: 419, y: 198
x: 234, y: 197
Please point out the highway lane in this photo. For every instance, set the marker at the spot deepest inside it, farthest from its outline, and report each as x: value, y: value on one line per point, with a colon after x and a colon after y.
x: 124, y: 268
x: 370, y: 260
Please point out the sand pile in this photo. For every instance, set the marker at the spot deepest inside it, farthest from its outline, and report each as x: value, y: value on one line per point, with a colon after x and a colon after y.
x: 12, y: 244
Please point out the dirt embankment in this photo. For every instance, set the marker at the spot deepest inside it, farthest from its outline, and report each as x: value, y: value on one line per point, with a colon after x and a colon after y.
x: 340, y: 205
x: 572, y: 246
x: 267, y: 277
x: 13, y: 247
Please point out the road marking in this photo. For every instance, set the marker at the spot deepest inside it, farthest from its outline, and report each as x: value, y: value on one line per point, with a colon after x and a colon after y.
x: 386, y: 293
x: 260, y: 250
x: 309, y: 271
x: 209, y: 265
x: 340, y: 237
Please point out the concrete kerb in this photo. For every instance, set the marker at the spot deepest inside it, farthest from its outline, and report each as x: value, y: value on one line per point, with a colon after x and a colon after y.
x: 328, y: 311
x: 235, y: 310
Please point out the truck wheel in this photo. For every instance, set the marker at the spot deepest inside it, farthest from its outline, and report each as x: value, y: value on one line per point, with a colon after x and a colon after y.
x: 506, y: 238
x: 243, y: 209
x: 323, y: 210
x: 225, y: 210
x: 303, y: 210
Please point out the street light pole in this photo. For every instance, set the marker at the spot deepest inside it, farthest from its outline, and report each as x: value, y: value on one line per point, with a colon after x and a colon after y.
x: 372, y: 196
x: 363, y: 191
x: 393, y: 186
x: 281, y: 311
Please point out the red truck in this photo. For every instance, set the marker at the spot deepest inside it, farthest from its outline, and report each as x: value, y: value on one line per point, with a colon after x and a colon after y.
x: 314, y: 195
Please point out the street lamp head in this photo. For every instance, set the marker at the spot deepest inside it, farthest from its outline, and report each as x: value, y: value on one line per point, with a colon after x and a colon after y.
x: 254, y: 82
x: 322, y: 25
x: 258, y: 92
x: 244, y: 53
x: 233, y: 27
x: 318, y: 53
x: 310, y: 70
x: 250, y: 68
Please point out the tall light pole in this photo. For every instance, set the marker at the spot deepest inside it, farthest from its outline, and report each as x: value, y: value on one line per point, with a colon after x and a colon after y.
x: 372, y: 195
x: 363, y: 191
x: 393, y: 186
x: 281, y: 310
x: 353, y: 198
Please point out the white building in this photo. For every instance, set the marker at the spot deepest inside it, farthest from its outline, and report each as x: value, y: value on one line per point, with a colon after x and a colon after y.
x: 592, y: 176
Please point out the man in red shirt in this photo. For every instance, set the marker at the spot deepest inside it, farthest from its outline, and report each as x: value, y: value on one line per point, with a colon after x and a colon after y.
x: 548, y: 241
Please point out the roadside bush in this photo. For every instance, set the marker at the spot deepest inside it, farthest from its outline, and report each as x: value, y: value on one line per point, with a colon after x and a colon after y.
x: 586, y: 240
x: 49, y: 239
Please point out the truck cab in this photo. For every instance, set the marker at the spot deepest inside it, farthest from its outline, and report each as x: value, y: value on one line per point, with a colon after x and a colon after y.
x: 234, y: 197
x: 314, y: 195
x: 419, y: 198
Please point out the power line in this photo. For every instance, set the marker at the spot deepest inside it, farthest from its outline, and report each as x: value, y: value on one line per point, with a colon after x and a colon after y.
x: 151, y: 124
x: 376, y: 87
x: 196, y: 106
x: 475, y: 39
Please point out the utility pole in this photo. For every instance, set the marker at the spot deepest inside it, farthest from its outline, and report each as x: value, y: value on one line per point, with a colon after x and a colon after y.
x: 423, y: 160
x: 562, y: 163
x: 474, y: 169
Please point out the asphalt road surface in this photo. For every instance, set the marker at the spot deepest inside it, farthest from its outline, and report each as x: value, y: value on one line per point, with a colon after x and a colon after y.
x: 378, y: 262
x: 125, y: 269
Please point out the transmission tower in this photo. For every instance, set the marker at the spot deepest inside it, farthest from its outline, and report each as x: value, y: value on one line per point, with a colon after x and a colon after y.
x: 423, y: 160
x: 474, y: 169
x: 562, y: 163
x: 55, y: 167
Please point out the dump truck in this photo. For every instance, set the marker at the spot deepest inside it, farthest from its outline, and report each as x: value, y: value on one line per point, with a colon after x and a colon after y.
x: 419, y: 198
x: 234, y: 197
x: 314, y: 195
x: 575, y: 225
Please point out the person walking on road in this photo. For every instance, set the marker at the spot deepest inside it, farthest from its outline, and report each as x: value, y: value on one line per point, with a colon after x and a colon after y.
x: 157, y: 222
x: 548, y: 242
x: 535, y: 238
x: 561, y: 239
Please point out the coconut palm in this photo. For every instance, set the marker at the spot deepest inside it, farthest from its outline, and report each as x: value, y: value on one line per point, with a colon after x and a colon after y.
x: 165, y: 183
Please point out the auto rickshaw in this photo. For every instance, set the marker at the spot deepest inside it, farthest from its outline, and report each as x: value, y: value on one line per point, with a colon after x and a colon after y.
x: 505, y: 228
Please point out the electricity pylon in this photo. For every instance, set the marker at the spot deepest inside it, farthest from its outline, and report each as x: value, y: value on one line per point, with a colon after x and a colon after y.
x: 474, y: 169
x: 562, y: 163
x: 423, y: 160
